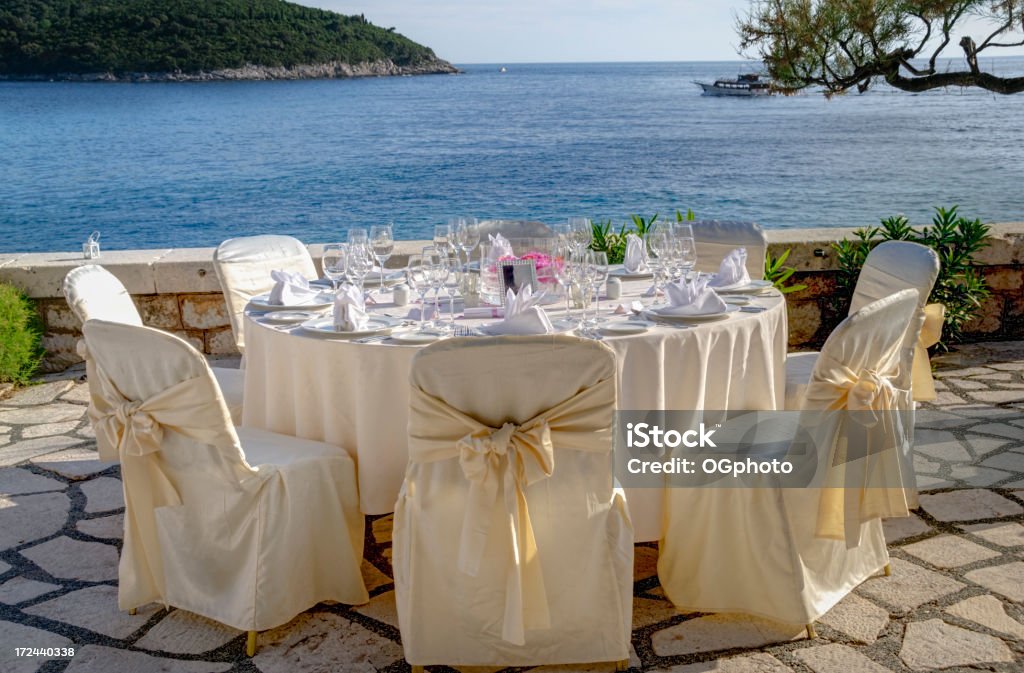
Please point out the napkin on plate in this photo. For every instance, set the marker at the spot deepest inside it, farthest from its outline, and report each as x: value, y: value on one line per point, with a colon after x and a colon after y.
x: 732, y: 270
x: 692, y: 298
x: 291, y: 289
x: 636, y: 255
x: 500, y: 248
x: 522, y: 315
x: 350, y: 310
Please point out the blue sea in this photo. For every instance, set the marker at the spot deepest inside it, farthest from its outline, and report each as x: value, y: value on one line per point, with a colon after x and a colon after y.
x: 176, y: 165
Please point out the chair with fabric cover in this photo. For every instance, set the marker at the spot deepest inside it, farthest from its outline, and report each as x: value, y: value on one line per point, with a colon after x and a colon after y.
x: 515, y: 229
x: 243, y: 267
x: 243, y: 526
x: 512, y: 547
x: 717, y: 239
x: 93, y: 293
x: 790, y: 553
x: 890, y: 267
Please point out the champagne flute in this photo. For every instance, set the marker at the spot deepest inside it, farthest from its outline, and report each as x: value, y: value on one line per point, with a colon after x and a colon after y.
x: 417, y: 274
x: 688, y: 255
x: 581, y: 233
x: 335, y: 263
x: 562, y: 261
x: 451, y: 285
x: 597, y: 273
x: 382, y: 243
x: 658, y: 243
x: 467, y: 235
x: 432, y: 257
x: 442, y: 237
x: 359, y: 262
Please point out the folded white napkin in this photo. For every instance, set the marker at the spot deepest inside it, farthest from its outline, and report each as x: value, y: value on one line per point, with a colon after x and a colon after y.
x: 415, y: 311
x: 636, y: 255
x: 291, y: 289
x: 500, y: 248
x: 522, y: 315
x: 692, y: 298
x: 732, y: 270
x: 350, y: 310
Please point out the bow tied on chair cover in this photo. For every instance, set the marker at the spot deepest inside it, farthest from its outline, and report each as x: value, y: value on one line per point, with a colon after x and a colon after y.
x: 499, y: 464
x: 931, y: 331
x: 864, y: 479
x: 136, y: 430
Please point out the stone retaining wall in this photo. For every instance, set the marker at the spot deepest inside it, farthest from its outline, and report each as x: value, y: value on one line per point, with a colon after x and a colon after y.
x: 177, y: 289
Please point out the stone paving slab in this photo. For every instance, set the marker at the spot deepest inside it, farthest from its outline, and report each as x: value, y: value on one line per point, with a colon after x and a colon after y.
x: 954, y: 598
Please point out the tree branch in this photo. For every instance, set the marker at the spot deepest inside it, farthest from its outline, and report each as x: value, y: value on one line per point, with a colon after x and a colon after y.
x: 982, y: 80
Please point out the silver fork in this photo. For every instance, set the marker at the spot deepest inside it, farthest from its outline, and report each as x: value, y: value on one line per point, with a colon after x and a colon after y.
x: 373, y: 339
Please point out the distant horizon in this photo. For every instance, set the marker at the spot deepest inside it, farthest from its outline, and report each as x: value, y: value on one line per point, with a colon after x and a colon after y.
x: 697, y: 60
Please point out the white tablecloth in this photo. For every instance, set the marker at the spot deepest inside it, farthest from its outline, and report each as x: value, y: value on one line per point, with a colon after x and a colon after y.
x: 356, y: 395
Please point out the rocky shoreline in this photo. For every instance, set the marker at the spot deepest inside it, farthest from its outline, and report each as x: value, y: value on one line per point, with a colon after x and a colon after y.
x: 250, y: 72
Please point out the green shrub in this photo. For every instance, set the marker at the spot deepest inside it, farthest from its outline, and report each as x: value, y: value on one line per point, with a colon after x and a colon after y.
x: 778, y: 274
x: 960, y: 286
x: 20, y: 352
x: 613, y: 243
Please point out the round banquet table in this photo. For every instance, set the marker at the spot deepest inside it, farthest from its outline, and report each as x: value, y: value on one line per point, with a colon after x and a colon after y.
x: 355, y: 395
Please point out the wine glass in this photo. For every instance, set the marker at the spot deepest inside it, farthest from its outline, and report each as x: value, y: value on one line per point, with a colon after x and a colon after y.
x: 335, y: 263
x: 358, y: 235
x: 597, y: 273
x: 417, y: 274
x: 562, y: 230
x: 359, y: 262
x: 442, y: 237
x: 382, y: 243
x: 467, y: 236
x: 581, y: 233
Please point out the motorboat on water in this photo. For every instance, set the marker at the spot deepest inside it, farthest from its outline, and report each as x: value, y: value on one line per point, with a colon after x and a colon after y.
x: 744, y: 85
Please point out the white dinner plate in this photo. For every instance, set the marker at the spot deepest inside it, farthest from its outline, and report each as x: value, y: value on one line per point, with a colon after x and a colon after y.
x: 753, y: 287
x: 626, y: 327
x: 289, y: 317
x: 262, y: 303
x: 561, y: 326
x: 417, y: 337
x: 325, y: 327
x: 622, y: 273
x: 655, y: 314
x: 736, y: 300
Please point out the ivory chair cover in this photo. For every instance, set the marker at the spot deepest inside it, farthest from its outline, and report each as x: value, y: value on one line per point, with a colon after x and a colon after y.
x: 790, y: 554
x: 890, y: 267
x: 249, y: 537
x: 511, y: 546
x: 93, y: 293
x: 717, y: 239
x: 243, y: 267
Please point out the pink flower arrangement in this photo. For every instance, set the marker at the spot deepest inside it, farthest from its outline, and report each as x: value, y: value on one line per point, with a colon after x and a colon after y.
x: 546, y: 265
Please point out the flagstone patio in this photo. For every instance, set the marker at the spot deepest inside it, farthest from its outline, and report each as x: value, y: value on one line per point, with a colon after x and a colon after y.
x: 954, y: 600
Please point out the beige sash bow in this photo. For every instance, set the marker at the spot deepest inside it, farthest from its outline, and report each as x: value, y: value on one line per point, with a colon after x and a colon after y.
x: 931, y: 331
x: 508, y: 460
x: 135, y: 428
x: 865, y: 458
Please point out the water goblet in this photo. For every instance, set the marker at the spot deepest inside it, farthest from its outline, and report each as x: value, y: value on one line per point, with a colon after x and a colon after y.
x: 658, y: 245
x: 335, y: 263
x: 382, y: 244
x: 562, y: 262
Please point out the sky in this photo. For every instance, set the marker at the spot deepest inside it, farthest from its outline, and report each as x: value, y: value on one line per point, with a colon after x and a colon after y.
x: 543, y: 31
